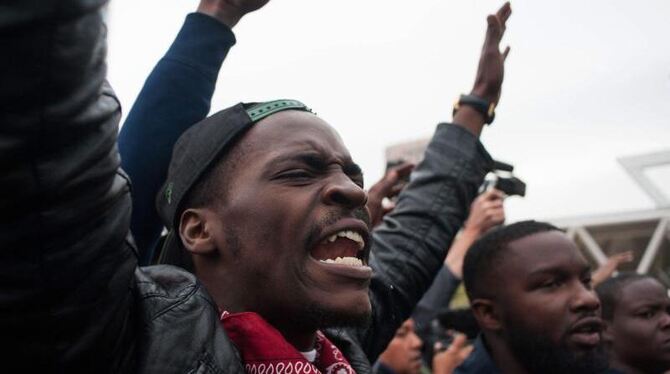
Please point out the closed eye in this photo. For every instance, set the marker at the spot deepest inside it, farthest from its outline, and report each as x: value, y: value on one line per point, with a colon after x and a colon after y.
x: 299, y: 176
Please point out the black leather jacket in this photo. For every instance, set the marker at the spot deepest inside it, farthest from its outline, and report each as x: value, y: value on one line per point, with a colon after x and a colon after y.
x: 72, y: 298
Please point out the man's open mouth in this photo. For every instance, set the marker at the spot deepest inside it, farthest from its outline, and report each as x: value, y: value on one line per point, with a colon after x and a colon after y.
x: 587, y: 332
x: 345, y: 247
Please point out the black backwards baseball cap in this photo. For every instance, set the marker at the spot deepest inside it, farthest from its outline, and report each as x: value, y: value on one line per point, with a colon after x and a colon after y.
x: 194, y: 154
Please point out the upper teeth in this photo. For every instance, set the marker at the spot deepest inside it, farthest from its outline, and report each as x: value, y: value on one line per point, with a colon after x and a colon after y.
x: 352, y: 235
x: 351, y: 261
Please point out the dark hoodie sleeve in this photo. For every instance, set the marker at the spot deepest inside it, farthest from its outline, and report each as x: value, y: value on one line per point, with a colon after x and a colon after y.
x: 176, y: 95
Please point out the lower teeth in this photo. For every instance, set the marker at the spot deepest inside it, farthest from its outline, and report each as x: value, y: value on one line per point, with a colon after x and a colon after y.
x: 352, y: 261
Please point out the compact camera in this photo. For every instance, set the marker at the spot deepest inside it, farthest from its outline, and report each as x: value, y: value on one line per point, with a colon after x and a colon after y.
x: 503, y: 179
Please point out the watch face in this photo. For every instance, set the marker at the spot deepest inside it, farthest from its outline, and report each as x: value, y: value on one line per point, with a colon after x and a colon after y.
x: 492, y: 109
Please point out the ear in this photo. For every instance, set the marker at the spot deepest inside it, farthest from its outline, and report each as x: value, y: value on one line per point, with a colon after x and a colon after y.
x: 486, y: 313
x: 196, y: 229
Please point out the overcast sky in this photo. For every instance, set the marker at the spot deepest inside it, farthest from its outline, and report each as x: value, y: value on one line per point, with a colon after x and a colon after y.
x: 586, y: 81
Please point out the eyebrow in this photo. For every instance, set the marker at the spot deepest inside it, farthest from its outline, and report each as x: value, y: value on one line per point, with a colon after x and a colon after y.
x: 318, y: 162
x: 312, y: 160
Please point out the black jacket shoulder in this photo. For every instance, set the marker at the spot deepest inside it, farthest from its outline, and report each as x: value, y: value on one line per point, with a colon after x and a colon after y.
x: 179, y: 329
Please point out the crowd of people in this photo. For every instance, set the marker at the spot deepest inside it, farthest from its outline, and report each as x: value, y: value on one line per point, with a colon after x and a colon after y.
x: 245, y: 242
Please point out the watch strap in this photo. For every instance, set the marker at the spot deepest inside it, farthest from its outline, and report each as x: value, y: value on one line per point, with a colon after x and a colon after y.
x: 484, y: 107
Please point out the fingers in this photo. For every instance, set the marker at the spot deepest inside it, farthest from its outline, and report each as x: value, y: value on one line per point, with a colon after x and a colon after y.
x: 496, y: 26
x: 496, y: 216
x: 395, y: 190
x: 465, y: 352
x: 404, y: 169
x: 504, y: 12
x: 505, y: 53
x: 489, y: 199
x: 493, y: 194
x: 460, y: 341
x: 493, y: 31
x: 391, y: 184
x: 624, y: 257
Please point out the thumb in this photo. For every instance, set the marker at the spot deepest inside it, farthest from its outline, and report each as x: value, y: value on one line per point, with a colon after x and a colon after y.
x: 506, y: 52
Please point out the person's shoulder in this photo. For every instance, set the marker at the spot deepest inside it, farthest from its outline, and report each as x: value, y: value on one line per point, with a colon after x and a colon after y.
x: 178, y: 325
x: 478, y: 362
x: 158, y: 289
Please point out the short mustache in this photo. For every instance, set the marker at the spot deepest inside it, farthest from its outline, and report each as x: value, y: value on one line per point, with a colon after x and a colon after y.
x: 587, y: 318
x: 333, y: 217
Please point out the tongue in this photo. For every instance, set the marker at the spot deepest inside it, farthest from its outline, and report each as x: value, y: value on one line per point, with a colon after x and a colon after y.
x: 341, y: 247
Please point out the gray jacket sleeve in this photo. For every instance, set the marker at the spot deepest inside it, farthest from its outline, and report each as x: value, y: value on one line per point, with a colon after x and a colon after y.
x: 66, y: 262
x: 435, y: 300
x: 409, y: 247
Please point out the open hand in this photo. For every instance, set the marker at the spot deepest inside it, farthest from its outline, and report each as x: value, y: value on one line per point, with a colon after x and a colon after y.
x: 491, y: 70
x: 446, y: 360
x: 610, y: 266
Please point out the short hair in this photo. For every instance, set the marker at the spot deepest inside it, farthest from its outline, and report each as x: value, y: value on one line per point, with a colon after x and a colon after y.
x: 609, y: 291
x: 486, y: 252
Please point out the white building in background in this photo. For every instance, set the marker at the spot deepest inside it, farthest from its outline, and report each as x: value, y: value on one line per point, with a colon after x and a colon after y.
x: 646, y: 233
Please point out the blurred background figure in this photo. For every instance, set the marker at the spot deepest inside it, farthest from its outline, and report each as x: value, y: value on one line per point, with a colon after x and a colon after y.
x: 636, y: 312
x: 403, y: 354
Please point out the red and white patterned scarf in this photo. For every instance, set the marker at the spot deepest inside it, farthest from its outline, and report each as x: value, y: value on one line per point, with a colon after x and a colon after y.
x: 265, y: 351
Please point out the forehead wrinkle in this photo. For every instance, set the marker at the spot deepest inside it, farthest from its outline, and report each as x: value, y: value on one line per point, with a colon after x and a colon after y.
x: 308, y: 148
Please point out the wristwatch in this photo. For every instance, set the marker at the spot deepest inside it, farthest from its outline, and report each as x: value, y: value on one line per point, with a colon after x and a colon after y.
x: 487, y: 109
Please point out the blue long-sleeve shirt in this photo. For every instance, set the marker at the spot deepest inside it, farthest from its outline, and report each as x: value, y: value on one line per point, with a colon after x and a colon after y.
x: 176, y: 95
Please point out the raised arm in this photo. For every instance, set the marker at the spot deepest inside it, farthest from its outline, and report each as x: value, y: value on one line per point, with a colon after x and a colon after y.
x: 485, y: 212
x: 409, y: 247
x: 66, y: 267
x: 176, y: 95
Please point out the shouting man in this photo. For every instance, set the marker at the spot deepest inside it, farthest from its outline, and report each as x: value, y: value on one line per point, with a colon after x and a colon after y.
x: 263, y: 199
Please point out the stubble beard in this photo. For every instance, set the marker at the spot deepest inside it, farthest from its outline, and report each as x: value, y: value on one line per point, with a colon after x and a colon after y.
x: 538, y: 354
x: 329, y: 318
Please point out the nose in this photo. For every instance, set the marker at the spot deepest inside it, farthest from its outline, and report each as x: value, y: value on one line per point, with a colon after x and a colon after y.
x: 664, y: 322
x: 415, y: 341
x: 585, y: 299
x: 342, y: 191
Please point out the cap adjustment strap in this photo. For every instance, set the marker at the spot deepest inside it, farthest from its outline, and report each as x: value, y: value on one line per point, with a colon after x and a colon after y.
x: 262, y: 110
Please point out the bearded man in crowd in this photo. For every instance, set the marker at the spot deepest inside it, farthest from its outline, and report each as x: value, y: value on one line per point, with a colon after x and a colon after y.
x: 530, y: 291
